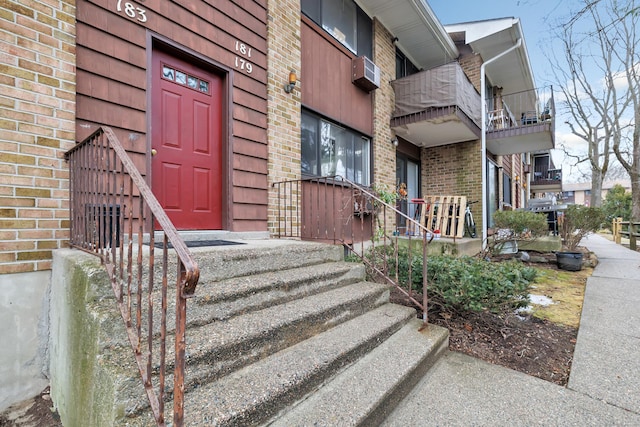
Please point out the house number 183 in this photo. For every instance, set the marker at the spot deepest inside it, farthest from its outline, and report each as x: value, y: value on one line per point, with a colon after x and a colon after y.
x: 132, y: 10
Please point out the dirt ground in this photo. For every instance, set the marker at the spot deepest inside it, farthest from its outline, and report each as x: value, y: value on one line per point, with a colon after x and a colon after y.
x: 35, y: 412
x: 532, y: 346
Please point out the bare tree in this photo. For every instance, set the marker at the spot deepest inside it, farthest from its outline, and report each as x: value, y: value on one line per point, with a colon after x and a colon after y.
x: 594, y: 57
x: 624, y: 39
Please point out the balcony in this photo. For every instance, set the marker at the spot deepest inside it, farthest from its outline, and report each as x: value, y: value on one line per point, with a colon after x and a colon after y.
x: 546, y: 180
x: 522, y: 122
x: 436, y: 107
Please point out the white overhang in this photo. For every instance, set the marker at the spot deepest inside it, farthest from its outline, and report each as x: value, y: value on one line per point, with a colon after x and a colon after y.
x: 421, y: 36
x: 490, y: 38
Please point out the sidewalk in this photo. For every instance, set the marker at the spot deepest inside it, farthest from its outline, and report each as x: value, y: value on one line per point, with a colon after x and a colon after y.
x: 604, y: 386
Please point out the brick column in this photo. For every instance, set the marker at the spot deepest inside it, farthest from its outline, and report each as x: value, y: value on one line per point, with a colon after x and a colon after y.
x: 384, y: 152
x: 37, y: 126
x: 283, y: 109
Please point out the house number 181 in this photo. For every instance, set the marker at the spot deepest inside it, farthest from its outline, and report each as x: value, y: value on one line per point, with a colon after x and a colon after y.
x: 132, y: 10
x: 242, y: 63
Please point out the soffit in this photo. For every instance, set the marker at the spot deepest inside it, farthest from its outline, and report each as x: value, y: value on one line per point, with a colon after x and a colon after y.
x: 420, y: 35
x: 490, y: 38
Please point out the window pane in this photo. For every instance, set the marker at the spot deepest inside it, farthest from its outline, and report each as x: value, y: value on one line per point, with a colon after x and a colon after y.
x: 413, y: 180
x: 506, y: 188
x: 343, y: 147
x: 328, y: 150
x: 365, y: 35
x: 167, y: 72
x: 309, y: 145
x: 328, y: 135
x: 181, y: 78
x: 363, y: 175
x: 311, y: 8
x: 339, y: 19
x: 400, y: 71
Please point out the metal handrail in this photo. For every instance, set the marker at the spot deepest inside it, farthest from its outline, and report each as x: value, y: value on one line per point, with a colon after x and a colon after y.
x: 108, y: 195
x: 340, y: 211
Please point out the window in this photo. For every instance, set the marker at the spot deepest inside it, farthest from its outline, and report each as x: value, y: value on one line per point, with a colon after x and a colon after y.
x: 345, y: 21
x: 506, y: 189
x: 328, y: 149
x: 404, y: 66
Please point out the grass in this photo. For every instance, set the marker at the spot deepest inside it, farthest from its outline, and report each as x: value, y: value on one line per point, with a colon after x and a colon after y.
x: 566, y: 289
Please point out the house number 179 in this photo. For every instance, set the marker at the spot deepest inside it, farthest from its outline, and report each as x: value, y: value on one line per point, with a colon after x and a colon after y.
x: 243, y: 51
x: 132, y: 10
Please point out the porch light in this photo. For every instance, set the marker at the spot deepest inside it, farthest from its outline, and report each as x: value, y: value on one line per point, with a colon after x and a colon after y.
x: 292, y: 82
x: 394, y: 141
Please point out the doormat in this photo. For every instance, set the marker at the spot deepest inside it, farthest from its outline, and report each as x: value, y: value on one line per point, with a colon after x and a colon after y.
x: 201, y: 243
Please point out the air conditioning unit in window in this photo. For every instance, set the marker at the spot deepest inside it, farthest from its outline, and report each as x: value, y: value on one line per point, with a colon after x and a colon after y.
x: 365, y: 74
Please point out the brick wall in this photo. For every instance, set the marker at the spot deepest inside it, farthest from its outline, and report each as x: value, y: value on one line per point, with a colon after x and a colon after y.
x: 384, y: 152
x: 284, y: 113
x: 37, y: 113
x: 470, y: 63
x: 456, y: 170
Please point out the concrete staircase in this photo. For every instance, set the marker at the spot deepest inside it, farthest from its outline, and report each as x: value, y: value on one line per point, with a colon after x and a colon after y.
x: 285, y: 333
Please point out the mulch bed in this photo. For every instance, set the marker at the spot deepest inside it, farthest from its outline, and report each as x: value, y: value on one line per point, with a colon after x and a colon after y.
x: 524, y: 343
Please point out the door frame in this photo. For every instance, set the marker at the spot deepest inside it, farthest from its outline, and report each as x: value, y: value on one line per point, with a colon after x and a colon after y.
x: 158, y: 42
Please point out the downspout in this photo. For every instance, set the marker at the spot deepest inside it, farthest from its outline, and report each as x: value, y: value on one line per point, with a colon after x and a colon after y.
x: 483, y: 155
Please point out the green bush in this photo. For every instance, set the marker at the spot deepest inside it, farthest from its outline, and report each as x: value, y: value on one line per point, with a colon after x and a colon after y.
x: 524, y: 224
x: 616, y: 204
x: 466, y: 283
x: 578, y: 221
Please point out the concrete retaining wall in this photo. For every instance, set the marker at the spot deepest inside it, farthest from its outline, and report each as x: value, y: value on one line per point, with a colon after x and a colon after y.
x: 24, y: 303
x: 85, y: 328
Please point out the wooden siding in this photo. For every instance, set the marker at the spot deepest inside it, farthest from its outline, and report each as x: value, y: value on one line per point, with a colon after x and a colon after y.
x: 326, y: 80
x: 113, y: 54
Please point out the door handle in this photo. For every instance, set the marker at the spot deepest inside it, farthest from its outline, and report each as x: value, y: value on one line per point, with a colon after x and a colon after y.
x: 154, y: 151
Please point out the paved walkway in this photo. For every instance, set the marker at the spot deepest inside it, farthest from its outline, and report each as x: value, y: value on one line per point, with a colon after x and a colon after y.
x: 604, y: 386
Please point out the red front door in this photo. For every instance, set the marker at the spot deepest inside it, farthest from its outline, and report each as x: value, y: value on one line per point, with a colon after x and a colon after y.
x: 186, y: 141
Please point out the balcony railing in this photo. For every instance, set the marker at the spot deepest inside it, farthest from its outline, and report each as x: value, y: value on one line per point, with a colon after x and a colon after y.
x: 545, y: 176
x: 521, y: 109
x: 436, y: 106
x: 109, y: 200
x: 442, y: 86
x: 521, y: 122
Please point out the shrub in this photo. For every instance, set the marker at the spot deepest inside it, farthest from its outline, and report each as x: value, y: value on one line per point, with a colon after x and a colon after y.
x: 578, y: 221
x: 616, y: 204
x: 523, y: 223
x: 468, y: 284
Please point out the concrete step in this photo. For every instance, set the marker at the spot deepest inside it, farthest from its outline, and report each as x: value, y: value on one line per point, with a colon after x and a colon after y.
x: 218, y: 348
x: 221, y: 347
x: 367, y: 391
x: 258, y: 391
x: 261, y: 256
x: 270, y: 324
x: 221, y: 300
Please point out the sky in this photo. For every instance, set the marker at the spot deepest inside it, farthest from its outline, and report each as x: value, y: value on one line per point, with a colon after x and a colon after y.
x: 538, y: 18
